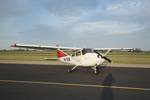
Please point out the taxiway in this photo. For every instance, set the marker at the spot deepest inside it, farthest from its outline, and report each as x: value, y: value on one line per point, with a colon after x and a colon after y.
x: 44, y: 82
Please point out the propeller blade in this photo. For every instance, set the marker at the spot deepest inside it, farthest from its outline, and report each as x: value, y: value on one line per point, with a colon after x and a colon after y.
x: 107, y: 59
x: 103, y: 56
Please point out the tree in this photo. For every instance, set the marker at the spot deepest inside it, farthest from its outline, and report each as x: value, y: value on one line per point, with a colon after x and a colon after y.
x: 137, y: 50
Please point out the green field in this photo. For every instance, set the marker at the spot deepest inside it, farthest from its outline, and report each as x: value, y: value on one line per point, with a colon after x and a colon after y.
x: 116, y: 57
x: 129, y: 57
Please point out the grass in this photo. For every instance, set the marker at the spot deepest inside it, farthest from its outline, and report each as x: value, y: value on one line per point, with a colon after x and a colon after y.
x: 27, y: 55
x: 116, y: 57
x: 129, y: 57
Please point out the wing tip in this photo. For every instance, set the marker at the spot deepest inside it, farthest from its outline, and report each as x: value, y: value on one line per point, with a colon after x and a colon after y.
x: 13, y: 45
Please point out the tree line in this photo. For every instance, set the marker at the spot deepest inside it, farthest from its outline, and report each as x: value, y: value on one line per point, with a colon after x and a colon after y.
x: 137, y: 50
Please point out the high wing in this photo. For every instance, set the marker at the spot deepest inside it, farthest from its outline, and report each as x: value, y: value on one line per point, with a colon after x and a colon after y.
x: 55, y: 48
x: 104, y: 49
x: 52, y: 48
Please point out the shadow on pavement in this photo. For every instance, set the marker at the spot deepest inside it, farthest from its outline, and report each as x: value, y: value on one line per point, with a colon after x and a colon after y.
x: 107, y: 93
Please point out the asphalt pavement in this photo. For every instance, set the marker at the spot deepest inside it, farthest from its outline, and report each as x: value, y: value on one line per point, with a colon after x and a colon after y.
x: 52, y: 82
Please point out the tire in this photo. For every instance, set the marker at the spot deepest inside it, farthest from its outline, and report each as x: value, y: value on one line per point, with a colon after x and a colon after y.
x: 69, y: 70
x: 96, y: 72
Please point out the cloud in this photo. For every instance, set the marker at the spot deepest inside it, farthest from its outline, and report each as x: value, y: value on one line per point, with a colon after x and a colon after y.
x: 124, y: 20
x: 101, y: 24
x: 69, y: 9
x: 112, y: 27
x: 75, y: 22
x: 114, y: 7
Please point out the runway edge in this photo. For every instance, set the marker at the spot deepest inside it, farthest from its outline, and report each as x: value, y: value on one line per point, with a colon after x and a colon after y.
x: 61, y: 63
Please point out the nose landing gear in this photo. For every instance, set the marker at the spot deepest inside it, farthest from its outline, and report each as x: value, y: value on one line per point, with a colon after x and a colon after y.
x: 96, y: 70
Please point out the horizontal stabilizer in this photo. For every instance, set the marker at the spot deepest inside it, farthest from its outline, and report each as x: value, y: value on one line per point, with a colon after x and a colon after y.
x: 51, y: 59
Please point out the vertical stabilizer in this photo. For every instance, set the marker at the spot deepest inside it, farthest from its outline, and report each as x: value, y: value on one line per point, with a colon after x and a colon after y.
x: 59, y: 53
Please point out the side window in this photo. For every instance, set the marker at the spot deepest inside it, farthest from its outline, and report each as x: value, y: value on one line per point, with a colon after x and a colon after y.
x: 74, y: 54
x: 78, y: 53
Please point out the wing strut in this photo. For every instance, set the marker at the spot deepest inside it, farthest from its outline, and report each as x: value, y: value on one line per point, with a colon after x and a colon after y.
x: 107, y: 51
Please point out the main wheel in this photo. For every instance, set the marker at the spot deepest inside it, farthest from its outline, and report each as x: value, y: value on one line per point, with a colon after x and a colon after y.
x: 69, y: 70
x: 96, y: 71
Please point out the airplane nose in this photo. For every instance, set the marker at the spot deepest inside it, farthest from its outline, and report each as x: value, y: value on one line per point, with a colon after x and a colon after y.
x: 98, y: 56
x: 102, y: 56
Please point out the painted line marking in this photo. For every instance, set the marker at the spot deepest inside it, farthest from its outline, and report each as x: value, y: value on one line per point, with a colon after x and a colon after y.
x: 69, y: 84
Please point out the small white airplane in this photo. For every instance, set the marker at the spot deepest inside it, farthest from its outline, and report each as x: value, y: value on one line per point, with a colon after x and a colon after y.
x: 86, y: 57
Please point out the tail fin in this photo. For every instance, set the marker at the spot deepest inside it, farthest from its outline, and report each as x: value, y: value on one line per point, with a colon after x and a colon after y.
x: 59, y: 53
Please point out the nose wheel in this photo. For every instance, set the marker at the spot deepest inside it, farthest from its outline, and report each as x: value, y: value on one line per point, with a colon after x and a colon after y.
x: 96, y: 71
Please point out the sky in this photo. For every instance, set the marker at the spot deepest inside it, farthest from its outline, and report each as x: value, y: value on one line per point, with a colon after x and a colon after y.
x: 75, y: 23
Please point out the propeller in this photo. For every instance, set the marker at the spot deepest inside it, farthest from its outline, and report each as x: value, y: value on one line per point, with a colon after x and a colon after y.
x: 103, y: 56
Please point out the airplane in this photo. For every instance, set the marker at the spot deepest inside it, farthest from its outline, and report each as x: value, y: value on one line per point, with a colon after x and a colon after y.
x: 85, y: 57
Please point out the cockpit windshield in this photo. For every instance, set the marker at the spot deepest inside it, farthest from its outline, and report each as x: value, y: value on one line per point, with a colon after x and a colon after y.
x: 88, y: 50
x: 84, y: 51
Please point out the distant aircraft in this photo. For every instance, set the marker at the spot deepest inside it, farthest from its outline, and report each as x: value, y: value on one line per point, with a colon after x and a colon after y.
x: 86, y: 57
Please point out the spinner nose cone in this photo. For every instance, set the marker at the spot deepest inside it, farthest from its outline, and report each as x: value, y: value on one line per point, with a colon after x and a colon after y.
x: 101, y: 56
x: 98, y: 56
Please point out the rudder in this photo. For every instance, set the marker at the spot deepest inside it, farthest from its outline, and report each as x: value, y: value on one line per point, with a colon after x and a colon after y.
x: 59, y: 53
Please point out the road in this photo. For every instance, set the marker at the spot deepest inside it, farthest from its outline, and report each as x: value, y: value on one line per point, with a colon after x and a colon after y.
x: 52, y: 82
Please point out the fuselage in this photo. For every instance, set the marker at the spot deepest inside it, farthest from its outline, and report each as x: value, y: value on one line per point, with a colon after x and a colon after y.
x: 88, y: 59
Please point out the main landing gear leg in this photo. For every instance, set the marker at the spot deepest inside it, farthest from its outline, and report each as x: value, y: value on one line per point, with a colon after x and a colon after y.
x: 71, y: 69
x: 96, y: 71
